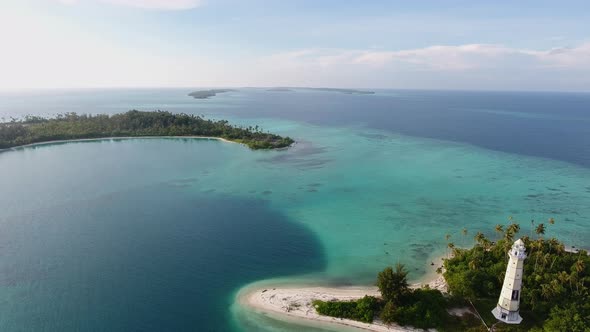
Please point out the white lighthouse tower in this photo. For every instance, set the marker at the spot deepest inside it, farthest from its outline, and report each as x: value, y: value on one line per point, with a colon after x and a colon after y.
x: 507, y: 308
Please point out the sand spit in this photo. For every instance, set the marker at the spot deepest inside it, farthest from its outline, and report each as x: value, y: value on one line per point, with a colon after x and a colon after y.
x: 291, y: 301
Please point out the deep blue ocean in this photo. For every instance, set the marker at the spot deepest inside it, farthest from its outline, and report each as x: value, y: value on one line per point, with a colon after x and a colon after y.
x: 553, y: 125
x: 160, y: 234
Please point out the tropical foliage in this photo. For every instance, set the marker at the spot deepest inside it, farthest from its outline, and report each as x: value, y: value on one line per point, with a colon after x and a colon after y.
x: 556, y: 283
x: 132, y: 124
x: 393, y: 285
x: 423, y: 308
x: 363, y: 309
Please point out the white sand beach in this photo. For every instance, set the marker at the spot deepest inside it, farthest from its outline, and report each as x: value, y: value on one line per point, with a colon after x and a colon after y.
x: 116, y: 138
x: 288, y: 302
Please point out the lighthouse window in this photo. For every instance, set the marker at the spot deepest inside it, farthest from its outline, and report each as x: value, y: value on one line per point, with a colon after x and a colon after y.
x: 515, y: 295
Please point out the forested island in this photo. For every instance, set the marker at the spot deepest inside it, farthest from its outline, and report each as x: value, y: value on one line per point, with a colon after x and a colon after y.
x: 555, y: 292
x: 70, y: 126
x: 345, y: 91
x: 204, y: 94
x: 279, y: 89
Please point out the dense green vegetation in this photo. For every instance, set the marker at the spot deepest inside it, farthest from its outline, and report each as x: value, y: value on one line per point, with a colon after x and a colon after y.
x: 556, y: 283
x: 555, y: 293
x: 131, y: 124
x: 423, y: 308
x: 204, y: 94
x: 363, y: 310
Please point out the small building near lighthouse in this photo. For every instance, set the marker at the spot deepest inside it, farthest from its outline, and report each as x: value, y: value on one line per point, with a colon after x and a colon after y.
x: 509, y: 302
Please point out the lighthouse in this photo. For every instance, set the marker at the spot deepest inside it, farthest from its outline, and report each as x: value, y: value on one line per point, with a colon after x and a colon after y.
x: 507, y: 308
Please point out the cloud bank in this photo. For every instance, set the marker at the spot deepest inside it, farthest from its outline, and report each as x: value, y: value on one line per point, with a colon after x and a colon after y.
x: 45, y: 52
x: 469, y: 66
x: 442, y: 58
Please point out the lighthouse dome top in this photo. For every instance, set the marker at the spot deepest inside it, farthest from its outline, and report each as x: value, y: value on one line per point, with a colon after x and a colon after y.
x: 518, y: 249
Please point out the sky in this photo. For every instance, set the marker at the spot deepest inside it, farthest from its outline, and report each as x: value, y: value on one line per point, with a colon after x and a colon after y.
x: 452, y: 44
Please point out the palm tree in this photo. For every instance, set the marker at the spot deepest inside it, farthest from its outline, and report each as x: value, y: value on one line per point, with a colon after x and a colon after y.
x: 511, y: 230
x: 579, y: 265
x: 553, y: 262
x: 546, y: 291
x: 479, y: 237
x: 499, y: 229
x: 447, y: 238
x: 536, y: 245
x: 451, y: 246
x: 557, y: 288
x: 487, y: 244
x: 544, y: 260
x: 563, y: 277
x: 540, y: 230
x: 514, y: 227
x: 464, y: 232
x: 393, y: 284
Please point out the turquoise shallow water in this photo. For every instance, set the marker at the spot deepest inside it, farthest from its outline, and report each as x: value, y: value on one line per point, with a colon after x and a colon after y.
x: 159, y: 234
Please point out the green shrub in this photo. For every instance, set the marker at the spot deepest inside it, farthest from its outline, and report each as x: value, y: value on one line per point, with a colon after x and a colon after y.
x: 363, y: 310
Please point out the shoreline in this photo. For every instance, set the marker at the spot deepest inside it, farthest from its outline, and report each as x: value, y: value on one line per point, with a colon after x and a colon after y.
x: 114, y: 138
x: 292, y: 302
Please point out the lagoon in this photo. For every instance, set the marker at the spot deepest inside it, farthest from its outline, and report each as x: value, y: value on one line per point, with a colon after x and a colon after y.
x: 160, y: 234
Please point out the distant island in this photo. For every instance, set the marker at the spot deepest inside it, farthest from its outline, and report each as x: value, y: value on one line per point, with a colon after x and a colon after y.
x: 204, y: 94
x: 278, y: 89
x: 345, y: 91
x: 71, y: 126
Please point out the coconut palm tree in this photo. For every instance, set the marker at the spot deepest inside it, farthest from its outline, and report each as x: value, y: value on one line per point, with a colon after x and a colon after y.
x: 511, y: 230
x: 540, y: 230
x: 514, y: 227
x: 447, y: 238
x: 579, y: 265
x: 563, y: 277
x: 546, y: 291
x: 451, y: 246
x: 479, y: 237
x: 499, y: 229
x: 545, y: 260
x: 464, y: 232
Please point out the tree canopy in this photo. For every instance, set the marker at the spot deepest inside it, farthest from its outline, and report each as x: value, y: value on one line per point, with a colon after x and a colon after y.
x: 131, y: 124
x: 556, y: 283
x: 393, y: 285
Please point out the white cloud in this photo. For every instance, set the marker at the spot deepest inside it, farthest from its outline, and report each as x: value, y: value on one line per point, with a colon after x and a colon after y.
x: 469, y: 66
x: 41, y: 51
x: 443, y: 57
